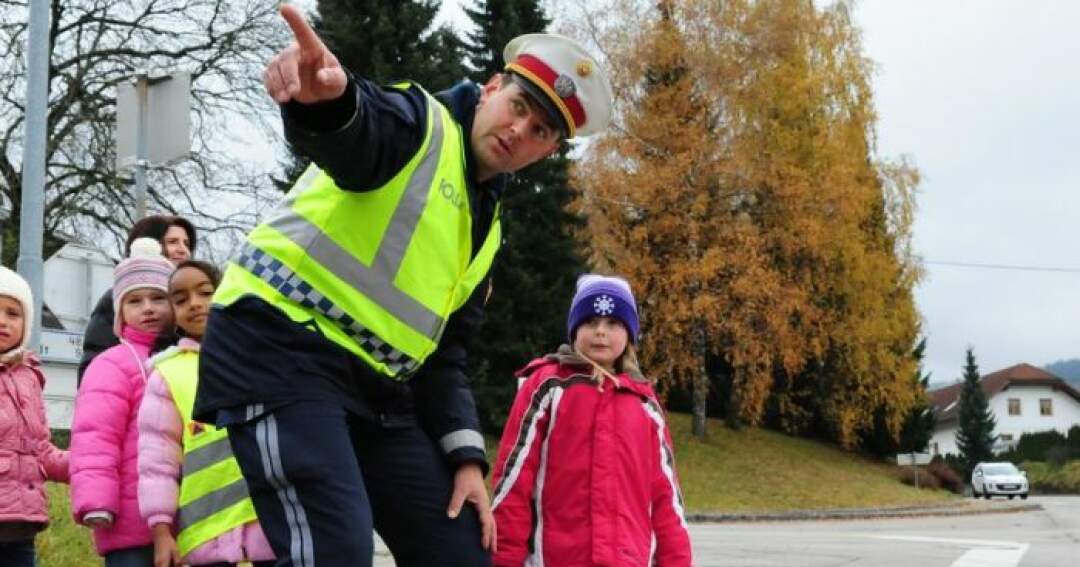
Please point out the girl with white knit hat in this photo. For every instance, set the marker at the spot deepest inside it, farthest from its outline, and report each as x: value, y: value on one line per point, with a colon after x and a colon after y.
x: 27, y: 457
x: 104, y: 435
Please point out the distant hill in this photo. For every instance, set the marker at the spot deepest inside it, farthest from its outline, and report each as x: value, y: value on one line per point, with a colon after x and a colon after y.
x: 1067, y: 369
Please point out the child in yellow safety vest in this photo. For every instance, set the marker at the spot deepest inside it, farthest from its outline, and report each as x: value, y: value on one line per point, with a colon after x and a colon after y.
x: 191, y: 492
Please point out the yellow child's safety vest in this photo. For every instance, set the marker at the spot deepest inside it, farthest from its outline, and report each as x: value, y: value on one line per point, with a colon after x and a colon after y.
x: 380, y: 271
x: 213, y: 495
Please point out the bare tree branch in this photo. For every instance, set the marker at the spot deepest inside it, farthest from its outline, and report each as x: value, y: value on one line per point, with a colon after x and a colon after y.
x: 98, y: 45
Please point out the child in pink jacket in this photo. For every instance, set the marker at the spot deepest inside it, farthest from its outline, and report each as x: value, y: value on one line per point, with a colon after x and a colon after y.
x: 27, y: 457
x: 232, y: 534
x: 104, y: 439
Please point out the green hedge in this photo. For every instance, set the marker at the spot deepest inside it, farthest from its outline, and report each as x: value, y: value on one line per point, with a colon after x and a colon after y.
x: 1046, y: 446
x: 1047, y: 478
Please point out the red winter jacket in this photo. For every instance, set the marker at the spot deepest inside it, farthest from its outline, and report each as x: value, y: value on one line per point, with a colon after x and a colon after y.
x: 586, y: 477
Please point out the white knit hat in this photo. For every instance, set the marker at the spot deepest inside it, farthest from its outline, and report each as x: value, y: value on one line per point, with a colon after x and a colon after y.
x: 14, y: 286
x: 145, y: 267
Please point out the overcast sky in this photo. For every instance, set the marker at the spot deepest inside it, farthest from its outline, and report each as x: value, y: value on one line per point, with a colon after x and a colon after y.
x: 985, y: 97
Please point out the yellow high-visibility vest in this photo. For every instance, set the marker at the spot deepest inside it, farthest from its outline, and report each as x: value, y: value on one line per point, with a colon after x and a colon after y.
x: 213, y: 494
x: 380, y: 271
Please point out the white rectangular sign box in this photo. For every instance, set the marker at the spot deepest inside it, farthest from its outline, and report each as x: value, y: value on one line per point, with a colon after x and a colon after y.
x: 913, y: 459
x: 60, y: 346
x: 168, y: 116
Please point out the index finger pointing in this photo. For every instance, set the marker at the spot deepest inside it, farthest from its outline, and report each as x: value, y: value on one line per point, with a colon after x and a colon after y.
x: 305, y: 36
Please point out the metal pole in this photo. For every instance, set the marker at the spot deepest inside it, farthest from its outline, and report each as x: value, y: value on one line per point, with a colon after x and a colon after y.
x: 32, y: 208
x: 142, y: 91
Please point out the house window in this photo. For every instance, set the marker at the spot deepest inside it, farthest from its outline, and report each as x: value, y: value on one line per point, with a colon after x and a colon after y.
x: 1014, y: 406
x: 1046, y: 406
x: 1006, y: 437
x: 935, y: 447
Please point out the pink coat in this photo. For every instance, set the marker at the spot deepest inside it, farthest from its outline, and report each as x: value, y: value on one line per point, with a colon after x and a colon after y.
x: 27, y: 458
x: 104, y: 442
x: 160, y: 456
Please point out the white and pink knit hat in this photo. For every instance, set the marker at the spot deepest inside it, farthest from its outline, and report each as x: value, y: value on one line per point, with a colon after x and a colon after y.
x: 145, y: 267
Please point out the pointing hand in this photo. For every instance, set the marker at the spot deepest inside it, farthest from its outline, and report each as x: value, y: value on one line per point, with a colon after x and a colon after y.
x: 305, y: 71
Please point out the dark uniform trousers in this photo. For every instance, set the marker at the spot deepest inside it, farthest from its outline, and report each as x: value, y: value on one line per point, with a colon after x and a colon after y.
x: 321, y: 478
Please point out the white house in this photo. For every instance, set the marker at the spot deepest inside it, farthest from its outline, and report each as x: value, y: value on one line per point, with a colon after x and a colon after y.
x: 75, y: 278
x: 1023, y: 399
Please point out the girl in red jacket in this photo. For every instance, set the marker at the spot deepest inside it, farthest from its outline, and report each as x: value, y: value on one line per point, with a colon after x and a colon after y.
x: 27, y: 457
x: 586, y: 472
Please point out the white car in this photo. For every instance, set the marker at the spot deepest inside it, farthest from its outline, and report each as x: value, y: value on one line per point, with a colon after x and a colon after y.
x: 1003, y: 479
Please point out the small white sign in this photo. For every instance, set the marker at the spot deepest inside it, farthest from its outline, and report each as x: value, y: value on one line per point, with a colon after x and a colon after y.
x: 60, y: 346
x: 910, y: 459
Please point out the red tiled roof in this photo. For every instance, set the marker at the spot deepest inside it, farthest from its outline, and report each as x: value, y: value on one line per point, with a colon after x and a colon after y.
x: 946, y: 400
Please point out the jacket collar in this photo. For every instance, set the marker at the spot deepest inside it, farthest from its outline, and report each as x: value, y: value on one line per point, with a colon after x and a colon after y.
x: 462, y: 99
x: 19, y: 356
x: 139, y: 337
x: 184, y: 345
x: 566, y: 358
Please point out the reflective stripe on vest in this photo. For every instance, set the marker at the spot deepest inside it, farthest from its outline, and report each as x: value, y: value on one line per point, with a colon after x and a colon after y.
x: 384, y: 268
x: 213, y: 494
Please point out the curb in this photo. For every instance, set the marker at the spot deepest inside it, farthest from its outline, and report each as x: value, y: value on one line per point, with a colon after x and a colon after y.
x: 957, y: 509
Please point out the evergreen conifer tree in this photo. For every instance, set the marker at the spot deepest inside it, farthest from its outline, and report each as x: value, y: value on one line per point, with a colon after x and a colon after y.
x: 919, y: 421
x: 534, y: 274
x: 919, y: 424
x: 975, y: 438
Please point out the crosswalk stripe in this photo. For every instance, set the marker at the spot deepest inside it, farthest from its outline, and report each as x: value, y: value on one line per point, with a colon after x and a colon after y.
x: 991, y: 557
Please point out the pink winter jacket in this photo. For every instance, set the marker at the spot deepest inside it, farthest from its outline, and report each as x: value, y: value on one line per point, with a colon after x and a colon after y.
x: 104, y: 442
x: 27, y: 458
x: 160, y: 456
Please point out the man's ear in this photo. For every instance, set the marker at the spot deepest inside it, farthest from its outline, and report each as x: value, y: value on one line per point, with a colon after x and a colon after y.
x: 493, y: 84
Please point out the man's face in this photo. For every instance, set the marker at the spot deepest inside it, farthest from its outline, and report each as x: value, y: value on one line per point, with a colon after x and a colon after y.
x: 509, y: 132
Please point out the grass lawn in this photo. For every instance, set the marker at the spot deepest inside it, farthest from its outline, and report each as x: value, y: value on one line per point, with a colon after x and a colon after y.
x: 728, y: 471
x: 64, y: 543
x: 755, y: 470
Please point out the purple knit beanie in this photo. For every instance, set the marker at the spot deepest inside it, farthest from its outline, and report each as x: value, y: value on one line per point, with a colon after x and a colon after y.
x: 603, y: 296
x: 145, y: 267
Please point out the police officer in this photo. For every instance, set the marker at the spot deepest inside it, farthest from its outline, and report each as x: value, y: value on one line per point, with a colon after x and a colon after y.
x: 335, y: 353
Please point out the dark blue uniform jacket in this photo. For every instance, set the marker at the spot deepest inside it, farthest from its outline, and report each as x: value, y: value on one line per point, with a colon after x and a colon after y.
x: 361, y: 140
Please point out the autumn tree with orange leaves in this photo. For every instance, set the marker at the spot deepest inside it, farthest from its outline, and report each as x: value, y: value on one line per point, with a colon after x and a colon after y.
x: 740, y: 192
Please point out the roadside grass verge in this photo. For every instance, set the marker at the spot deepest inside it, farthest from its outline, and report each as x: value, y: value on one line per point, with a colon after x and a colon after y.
x: 757, y: 470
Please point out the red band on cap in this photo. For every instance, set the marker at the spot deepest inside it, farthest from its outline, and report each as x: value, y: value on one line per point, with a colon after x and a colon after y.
x: 544, y: 77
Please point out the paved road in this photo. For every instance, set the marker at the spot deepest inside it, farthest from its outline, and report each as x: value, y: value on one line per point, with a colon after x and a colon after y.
x: 1049, y: 538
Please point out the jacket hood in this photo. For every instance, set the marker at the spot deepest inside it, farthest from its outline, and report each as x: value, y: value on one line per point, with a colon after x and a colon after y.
x: 185, y: 345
